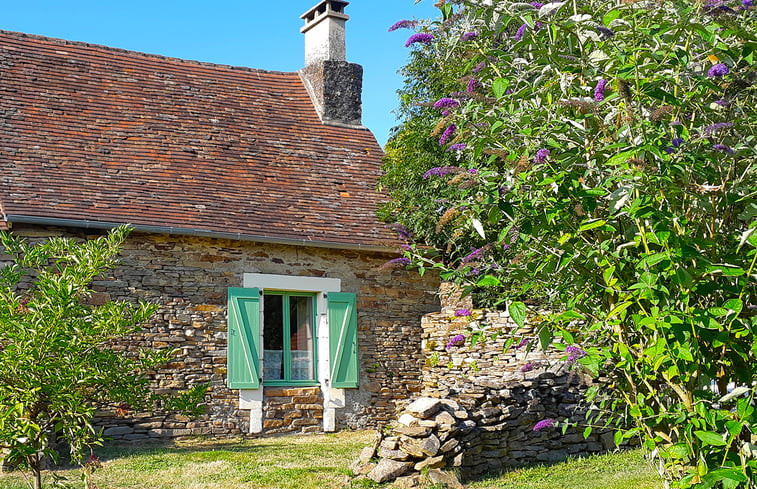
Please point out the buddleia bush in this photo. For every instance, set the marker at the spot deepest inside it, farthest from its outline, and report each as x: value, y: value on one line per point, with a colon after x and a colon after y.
x: 597, y: 159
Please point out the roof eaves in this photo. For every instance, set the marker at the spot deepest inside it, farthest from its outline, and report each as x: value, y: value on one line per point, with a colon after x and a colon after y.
x: 88, y: 224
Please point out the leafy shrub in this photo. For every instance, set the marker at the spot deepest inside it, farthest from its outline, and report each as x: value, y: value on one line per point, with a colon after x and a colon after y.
x: 598, y: 159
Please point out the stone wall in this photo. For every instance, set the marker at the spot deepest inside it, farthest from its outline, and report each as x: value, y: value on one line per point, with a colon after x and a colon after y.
x: 292, y: 409
x: 480, y: 405
x: 188, y: 277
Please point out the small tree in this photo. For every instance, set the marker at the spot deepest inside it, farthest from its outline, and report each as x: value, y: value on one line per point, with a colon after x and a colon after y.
x: 58, y: 364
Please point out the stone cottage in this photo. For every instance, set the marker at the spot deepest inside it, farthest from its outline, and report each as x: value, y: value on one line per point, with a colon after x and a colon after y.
x: 252, y: 194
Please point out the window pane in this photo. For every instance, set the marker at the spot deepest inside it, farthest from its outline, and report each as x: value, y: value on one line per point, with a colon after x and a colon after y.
x: 273, y: 337
x: 301, y: 337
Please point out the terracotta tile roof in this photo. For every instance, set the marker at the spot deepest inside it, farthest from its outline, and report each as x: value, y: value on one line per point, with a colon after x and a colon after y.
x: 101, y: 135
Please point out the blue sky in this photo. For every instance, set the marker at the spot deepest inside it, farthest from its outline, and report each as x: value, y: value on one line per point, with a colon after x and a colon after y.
x: 252, y: 33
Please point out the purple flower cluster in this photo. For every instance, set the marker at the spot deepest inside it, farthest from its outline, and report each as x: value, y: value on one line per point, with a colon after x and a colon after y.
x: 446, y: 102
x: 574, y: 353
x: 472, y: 171
x: 403, y: 24
x: 457, y: 147
x: 440, y: 171
x: 718, y: 126
x: 717, y: 70
x: 716, y: 7
x: 447, y: 134
x: 475, y: 254
x: 722, y: 103
x: 675, y: 144
x: 523, y: 342
x: 401, y: 261
x: 420, y: 37
x: 463, y: 313
x: 473, y: 84
x: 479, y: 67
x: 519, y: 33
x: 536, y: 5
x: 544, y: 424
x: 528, y: 367
x: 747, y: 3
x: 541, y: 156
x: 723, y: 148
x: 455, y: 341
x: 469, y: 35
x: 599, y: 90
x: 606, y: 33
x: 402, y: 231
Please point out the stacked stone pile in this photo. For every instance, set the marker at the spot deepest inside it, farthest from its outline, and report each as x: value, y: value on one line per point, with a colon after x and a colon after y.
x: 427, y: 436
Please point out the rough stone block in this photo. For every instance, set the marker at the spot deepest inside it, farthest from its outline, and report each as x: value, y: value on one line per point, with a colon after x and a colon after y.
x: 366, y: 454
x: 430, y: 446
x: 444, y: 479
x: 413, y: 431
x: 408, y: 419
x: 387, y: 470
x: 393, y: 454
x: 118, y: 430
x: 430, y: 463
x: 424, y: 407
x: 445, y: 420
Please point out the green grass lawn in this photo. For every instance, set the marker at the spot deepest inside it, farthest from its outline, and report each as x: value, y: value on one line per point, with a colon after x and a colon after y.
x: 614, y: 471
x: 314, y: 462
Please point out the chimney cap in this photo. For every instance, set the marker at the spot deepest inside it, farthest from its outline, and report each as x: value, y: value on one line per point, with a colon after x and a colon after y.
x: 326, y: 8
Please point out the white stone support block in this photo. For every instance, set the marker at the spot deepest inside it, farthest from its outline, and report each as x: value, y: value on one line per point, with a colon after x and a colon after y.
x: 252, y: 399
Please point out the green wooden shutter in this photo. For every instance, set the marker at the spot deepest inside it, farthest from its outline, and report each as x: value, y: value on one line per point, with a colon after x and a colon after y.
x: 343, y: 339
x: 244, y: 338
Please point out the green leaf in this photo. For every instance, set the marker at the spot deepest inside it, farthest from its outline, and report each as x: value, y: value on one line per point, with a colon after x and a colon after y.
x: 446, y: 10
x: 610, y: 16
x: 710, y: 438
x: 591, y: 224
x: 489, y: 281
x: 652, y: 260
x: 545, y: 337
x: 726, y: 270
x: 517, y: 311
x: 725, y: 473
x: 619, y: 308
x: 500, y: 86
x: 587, y: 432
x: 569, y: 315
x: 733, y: 306
x: 618, y: 438
x: 620, y: 158
x: 684, y: 352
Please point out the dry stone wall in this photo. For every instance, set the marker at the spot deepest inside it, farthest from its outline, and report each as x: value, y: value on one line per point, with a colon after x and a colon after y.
x: 479, y: 405
x: 188, y: 277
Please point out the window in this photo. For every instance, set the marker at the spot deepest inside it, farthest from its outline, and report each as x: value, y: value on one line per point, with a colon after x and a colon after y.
x: 288, y: 337
x: 286, y: 327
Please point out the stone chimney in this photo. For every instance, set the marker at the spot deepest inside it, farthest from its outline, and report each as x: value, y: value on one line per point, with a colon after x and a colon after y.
x: 335, y: 86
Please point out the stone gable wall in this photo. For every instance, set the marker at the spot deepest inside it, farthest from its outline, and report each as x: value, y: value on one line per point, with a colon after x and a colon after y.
x: 188, y: 277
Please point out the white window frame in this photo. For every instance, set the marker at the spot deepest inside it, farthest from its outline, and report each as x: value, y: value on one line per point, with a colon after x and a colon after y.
x: 252, y: 399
